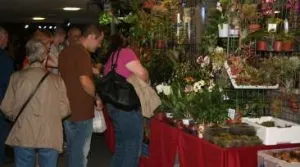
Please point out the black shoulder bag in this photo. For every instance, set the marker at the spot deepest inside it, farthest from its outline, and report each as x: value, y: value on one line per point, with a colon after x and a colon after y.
x: 30, y: 97
x: 114, y: 89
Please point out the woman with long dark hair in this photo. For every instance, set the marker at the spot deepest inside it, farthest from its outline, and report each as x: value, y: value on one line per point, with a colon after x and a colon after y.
x: 128, y: 124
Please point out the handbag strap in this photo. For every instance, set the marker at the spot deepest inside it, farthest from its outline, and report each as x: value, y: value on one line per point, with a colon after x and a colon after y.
x: 31, y: 95
x: 114, y: 64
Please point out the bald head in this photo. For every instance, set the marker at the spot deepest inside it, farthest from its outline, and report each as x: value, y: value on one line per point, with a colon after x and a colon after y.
x: 3, y: 38
x: 74, y: 35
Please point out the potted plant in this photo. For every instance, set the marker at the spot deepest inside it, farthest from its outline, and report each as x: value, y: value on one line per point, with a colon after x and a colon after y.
x: 261, y: 37
x: 288, y: 42
x: 250, y: 15
x: 277, y: 44
x: 148, y: 4
x: 177, y: 101
x: 223, y: 26
x: 288, y: 70
x: 273, y: 23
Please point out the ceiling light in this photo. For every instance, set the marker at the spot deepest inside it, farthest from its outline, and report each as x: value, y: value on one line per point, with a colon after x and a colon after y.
x: 26, y: 26
x: 45, y: 27
x: 40, y: 27
x: 38, y: 18
x: 54, y: 27
x: 277, y: 11
x: 69, y: 24
x: 71, y: 8
x: 50, y: 27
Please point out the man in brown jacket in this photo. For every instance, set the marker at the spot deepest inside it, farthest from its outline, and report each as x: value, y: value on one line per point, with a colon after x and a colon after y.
x: 75, y: 67
x: 39, y: 126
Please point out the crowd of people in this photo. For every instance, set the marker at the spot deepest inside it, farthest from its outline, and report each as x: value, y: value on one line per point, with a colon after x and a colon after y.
x: 53, y: 98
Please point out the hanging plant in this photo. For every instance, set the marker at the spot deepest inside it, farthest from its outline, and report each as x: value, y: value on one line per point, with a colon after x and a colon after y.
x: 105, y: 18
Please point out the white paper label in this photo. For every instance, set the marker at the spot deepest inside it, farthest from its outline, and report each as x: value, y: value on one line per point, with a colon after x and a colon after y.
x: 272, y: 27
x: 231, y: 113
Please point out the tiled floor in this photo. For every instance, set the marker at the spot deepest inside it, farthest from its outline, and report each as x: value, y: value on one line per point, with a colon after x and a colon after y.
x: 99, y: 157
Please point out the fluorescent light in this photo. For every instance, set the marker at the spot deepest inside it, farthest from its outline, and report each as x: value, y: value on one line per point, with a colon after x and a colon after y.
x: 38, y: 18
x: 26, y: 26
x: 71, y: 8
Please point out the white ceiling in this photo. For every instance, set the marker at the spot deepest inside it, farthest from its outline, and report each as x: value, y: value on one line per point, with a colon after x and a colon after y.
x: 24, y: 10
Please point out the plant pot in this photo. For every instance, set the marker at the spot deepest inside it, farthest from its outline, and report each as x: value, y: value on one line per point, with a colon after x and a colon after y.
x: 277, y: 46
x: 261, y: 46
x: 160, y: 44
x: 254, y: 27
x: 179, y: 125
x: 287, y: 46
x: 223, y: 30
x: 148, y: 4
x: 161, y: 116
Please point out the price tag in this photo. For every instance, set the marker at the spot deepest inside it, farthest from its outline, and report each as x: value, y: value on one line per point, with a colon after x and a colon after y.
x: 231, y: 113
x: 272, y: 27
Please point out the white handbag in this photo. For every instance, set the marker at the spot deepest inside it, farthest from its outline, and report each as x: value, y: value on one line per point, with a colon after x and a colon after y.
x: 99, y: 125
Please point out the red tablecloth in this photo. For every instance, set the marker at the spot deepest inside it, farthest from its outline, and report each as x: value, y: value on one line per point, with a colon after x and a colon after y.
x: 195, y: 152
x: 165, y: 141
x: 163, y: 144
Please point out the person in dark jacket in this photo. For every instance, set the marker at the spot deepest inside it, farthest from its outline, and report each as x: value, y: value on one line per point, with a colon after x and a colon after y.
x: 6, y: 69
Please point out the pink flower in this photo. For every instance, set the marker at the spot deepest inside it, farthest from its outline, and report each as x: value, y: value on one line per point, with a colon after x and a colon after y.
x: 200, y: 60
x: 206, y: 60
x: 188, y: 88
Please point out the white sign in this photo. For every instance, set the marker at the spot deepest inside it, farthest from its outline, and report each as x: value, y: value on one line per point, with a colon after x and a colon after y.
x: 231, y: 113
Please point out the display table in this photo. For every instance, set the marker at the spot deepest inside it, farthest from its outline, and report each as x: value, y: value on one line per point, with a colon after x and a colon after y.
x: 167, y: 141
x: 194, y: 151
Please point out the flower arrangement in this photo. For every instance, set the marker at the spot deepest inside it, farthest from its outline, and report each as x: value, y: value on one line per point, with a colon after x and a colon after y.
x: 193, y: 92
x: 267, y: 7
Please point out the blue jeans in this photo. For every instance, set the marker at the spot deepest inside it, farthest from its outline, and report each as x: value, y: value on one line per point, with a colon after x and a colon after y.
x: 78, y: 137
x: 129, y: 135
x: 4, y: 131
x: 25, y: 157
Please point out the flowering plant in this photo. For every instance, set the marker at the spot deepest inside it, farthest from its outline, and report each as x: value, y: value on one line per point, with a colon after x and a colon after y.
x: 222, y: 9
x: 193, y: 93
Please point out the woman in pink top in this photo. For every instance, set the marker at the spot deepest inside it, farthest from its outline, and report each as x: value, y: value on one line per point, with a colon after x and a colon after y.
x: 128, y: 124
